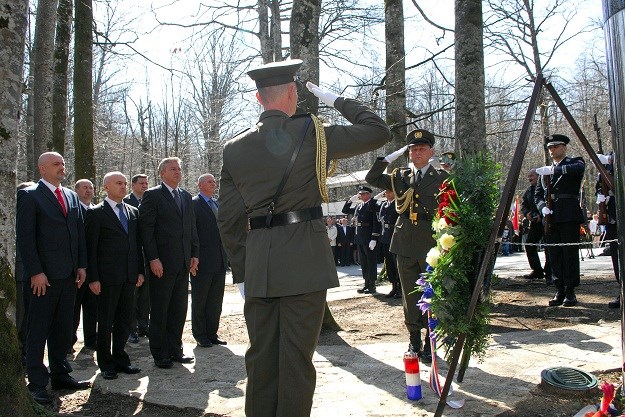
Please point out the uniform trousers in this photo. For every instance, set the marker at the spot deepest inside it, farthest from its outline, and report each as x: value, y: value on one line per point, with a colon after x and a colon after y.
x: 169, y: 295
x: 391, y: 263
x: 369, y: 265
x: 50, y: 320
x: 114, y: 315
x: 564, y: 259
x: 611, y: 233
x: 410, y: 269
x: 207, y: 295
x: 533, y: 236
x: 283, y: 334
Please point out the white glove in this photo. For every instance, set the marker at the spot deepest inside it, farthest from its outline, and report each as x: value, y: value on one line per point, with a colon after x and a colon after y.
x: 546, y: 211
x: 327, y: 97
x: 393, y: 156
x: 379, y: 196
x: 354, y: 198
x: 546, y: 170
x: 241, y: 286
x: 372, y: 244
x: 601, y: 198
x: 604, y: 159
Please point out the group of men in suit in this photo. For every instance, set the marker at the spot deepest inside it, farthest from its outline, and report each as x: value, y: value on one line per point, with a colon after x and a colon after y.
x: 66, y: 244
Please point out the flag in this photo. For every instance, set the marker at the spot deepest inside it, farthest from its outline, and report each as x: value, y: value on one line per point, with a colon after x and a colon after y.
x: 515, y: 215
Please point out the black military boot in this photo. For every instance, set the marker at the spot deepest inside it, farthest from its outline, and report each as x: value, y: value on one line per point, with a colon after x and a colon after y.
x: 616, y: 303
x: 398, y: 294
x: 558, y: 299
x: 415, y: 341
x: 393, y: 291
x: 570, y: 300
x: 426, y: 354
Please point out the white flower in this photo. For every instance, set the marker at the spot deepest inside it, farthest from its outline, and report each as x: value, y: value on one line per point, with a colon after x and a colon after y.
x: 432, y: 257
x: 447, y: 241
x: 442, y: 223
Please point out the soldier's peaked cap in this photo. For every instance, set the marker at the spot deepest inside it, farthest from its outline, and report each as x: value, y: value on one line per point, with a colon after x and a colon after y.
x: 275, y: 73
x: 364, y: 189
x: 419, y: 136
x: 556, y: 140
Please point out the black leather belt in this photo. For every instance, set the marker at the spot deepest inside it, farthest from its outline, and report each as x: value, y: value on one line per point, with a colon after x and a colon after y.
x: 363, y: 224
x: 419, y: 216
x: 555, y: 196
x: 290, y: 217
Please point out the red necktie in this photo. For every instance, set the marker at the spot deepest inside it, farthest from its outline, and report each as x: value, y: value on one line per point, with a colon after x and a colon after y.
x: 61, y: 201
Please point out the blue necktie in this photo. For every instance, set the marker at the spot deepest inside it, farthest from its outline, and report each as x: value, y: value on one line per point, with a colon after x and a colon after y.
x: 213, y: 205
x: 122, y: 217
x: 177, y: 199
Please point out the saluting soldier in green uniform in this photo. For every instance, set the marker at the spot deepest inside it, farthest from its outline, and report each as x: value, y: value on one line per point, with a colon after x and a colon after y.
x: 270, y: 219
x: 415, y: 191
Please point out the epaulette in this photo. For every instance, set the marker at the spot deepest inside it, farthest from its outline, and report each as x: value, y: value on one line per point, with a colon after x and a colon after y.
x: 247, y: 129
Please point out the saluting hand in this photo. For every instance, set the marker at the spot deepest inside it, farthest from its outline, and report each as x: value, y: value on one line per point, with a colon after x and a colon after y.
x: 156, y: 267
x: 327, y: 97
x: 393, y: 156
x: 39, y: 283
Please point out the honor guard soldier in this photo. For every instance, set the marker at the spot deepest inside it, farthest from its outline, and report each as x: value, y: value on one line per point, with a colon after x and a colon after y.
x: 271, y: 224
x: 366, y: 236
x: 387, y: 215
x: 605, y: 196
x: 415, y: 192
x: 557, y: 198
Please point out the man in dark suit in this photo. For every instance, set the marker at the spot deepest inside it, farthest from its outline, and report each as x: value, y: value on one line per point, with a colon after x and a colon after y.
x: 115, y: 269
x: 280, y: 248
x: 51, y: 241
x: 415, y: 191
x: 557, y: 198
x: 387, y: 215
x: 535, y: 232
x: 170, y: 244
x: 139, y: 326
x: 345, y: 241
x: 366, y: 235
x: 85, y: 299
x: 207, y: 287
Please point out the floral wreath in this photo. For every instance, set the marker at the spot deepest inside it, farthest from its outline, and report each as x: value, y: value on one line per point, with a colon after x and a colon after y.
x: 468, y: 199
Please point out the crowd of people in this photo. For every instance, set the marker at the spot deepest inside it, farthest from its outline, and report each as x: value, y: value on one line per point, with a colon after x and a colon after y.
x: 126, y: 262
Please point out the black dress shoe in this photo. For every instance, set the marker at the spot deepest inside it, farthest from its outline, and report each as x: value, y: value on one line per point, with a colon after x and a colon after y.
x: 569, y: 301
x: 361, y: 290
x: 182, y: 359
x: 426, y: 357
x: 133, y: 338
x: 205, y: 344
x: 68, y: 382
x: 616, y: 303
x: 163, y: 363
x: 128, y: 369
x: 370, y: 291
x: 40, y: 395
x: 557, y: 300
x: 217, y: 341
x: 109, y: 374
x: 534, y: 275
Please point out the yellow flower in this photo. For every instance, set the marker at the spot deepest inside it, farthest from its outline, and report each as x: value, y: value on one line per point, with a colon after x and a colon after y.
x: 432, y: 257
x: 447, y: 241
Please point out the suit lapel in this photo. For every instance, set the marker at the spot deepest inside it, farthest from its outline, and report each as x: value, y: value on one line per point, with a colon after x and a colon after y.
x: 50, y: 196
x: 205, y: 206
x: 170, y: 198
x: 109, y: 211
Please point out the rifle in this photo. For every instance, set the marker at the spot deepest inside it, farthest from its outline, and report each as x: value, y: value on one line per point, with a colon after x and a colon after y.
x: 603, y: 210
x: 549, y: 203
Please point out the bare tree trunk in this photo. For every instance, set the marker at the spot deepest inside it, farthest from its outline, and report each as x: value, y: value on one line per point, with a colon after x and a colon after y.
x: 269, y: 30
x: 83, y: 90
x: 43, y: 73
x: 31, y: 166
x: 61, y: 61
x: 305, y: 45
x: 395, y: 74
x: 14, y: 398
x: 469, y: 53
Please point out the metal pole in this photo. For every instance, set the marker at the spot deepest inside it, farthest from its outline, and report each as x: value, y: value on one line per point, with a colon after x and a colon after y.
x: 614, y: 30
x: 500, y: 219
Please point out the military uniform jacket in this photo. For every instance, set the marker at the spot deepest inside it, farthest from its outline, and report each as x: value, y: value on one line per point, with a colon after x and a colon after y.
x: 566, y: 182
x: 409, y: 239
x: 367, y: 223
x: 387, y: 215
x: 611, y: 203
x: 296, y: 258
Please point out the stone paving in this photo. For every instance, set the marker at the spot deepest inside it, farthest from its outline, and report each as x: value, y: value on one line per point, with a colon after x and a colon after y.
x: 368, y: 380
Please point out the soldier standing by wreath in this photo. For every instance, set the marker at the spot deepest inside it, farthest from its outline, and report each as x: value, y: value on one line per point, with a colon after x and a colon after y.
x: 557, y: 197
x: 366, y: 235
x: 415, y: 191
x: 271, y: 224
